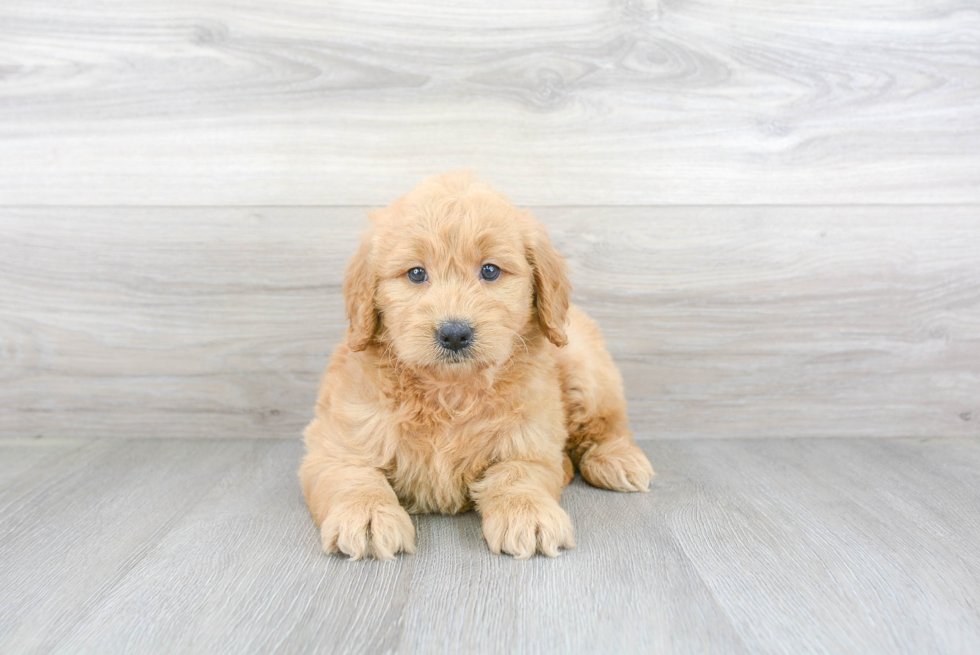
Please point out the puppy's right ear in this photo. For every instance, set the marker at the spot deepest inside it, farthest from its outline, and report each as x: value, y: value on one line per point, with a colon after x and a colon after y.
x: 360, y: 282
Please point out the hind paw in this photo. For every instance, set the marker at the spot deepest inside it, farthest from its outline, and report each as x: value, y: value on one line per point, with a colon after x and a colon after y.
x: 617, y: 464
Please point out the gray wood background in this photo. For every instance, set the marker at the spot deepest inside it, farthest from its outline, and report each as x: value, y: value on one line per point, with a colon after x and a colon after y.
x: 773, y: 209
x: 197, y: 102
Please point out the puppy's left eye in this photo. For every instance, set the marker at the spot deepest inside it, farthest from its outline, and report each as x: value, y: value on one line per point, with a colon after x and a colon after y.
x: 490, y: 272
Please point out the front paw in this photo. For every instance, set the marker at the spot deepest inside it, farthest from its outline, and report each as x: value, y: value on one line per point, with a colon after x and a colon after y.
x: 368, y: 529
x: 520, y: 526
x: 617, y: 464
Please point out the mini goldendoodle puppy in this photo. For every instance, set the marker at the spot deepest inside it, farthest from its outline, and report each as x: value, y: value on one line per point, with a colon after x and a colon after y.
x: 466, y: 381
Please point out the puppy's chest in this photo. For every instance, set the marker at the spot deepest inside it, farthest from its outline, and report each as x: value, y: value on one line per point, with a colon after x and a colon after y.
x: 432, y: 472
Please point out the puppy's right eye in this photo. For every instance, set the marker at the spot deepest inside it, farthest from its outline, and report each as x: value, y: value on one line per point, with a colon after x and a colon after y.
x: 417, y: 275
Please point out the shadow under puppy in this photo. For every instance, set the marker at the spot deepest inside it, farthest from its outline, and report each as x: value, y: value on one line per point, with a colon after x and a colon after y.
x: 466, y: 381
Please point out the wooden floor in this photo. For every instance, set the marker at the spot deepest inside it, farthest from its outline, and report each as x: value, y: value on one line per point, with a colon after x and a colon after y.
x: 742, y: 546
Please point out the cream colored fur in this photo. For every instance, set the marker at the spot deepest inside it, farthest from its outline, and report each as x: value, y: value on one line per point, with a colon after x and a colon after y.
x: 400, y: 428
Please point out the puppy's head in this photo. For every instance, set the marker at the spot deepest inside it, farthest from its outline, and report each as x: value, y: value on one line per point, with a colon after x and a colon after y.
x: 451, y: 277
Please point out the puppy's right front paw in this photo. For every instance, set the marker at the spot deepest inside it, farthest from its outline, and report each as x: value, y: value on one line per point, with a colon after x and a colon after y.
x: 368, y: 529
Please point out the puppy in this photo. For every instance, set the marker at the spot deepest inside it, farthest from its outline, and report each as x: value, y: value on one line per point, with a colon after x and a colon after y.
x: 466, y: 381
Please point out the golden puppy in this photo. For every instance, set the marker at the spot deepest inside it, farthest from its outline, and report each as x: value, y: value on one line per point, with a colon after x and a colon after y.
x: 466, y: 380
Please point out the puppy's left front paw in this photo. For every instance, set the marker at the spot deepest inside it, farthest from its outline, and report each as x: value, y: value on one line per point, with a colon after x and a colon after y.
x: 520, y: 526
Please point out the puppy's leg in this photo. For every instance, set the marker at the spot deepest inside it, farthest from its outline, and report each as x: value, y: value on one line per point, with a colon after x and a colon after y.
x: 599, y: 438
x: 356, y: 509
x: 518, y: 501
x: 568, y: 468
x: 616, y: 463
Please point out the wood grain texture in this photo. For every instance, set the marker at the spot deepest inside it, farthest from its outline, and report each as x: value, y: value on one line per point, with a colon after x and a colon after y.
x: 747, y: 322
x: 743, y: 546
x: 194, y: 102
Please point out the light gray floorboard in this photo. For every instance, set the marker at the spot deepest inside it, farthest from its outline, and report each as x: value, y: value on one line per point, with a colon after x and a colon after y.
x: 575, y: 102
x: 18, y: 456
x: 73, y: 527
x: 726, y: 321
x: 742, y: 546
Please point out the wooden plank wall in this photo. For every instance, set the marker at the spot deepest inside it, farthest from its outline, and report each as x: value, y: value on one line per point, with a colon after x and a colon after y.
x: 773, y: 209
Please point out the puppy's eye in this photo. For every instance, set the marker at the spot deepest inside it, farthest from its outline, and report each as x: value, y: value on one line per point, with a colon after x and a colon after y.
x: 417, y: 275
x: 489, y: 272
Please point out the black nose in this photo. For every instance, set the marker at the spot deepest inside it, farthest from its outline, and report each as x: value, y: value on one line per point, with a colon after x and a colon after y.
x: 455, y: 335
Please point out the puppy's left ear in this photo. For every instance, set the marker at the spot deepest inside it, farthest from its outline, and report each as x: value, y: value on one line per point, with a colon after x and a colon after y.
x: 360, y: 283
x: 552, y: 289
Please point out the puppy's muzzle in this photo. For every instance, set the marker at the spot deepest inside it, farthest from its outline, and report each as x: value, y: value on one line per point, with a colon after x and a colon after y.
x: 455, y: 336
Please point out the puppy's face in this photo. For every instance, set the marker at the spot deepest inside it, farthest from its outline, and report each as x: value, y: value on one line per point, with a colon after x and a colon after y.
x: 453, y: 278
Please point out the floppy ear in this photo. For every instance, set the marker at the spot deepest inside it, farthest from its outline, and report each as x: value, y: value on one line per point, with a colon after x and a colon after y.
x: 552, y: 290
x: 360, y: 282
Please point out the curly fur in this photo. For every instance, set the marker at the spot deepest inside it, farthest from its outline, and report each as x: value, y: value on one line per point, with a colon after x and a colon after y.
x: 401, y: 428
